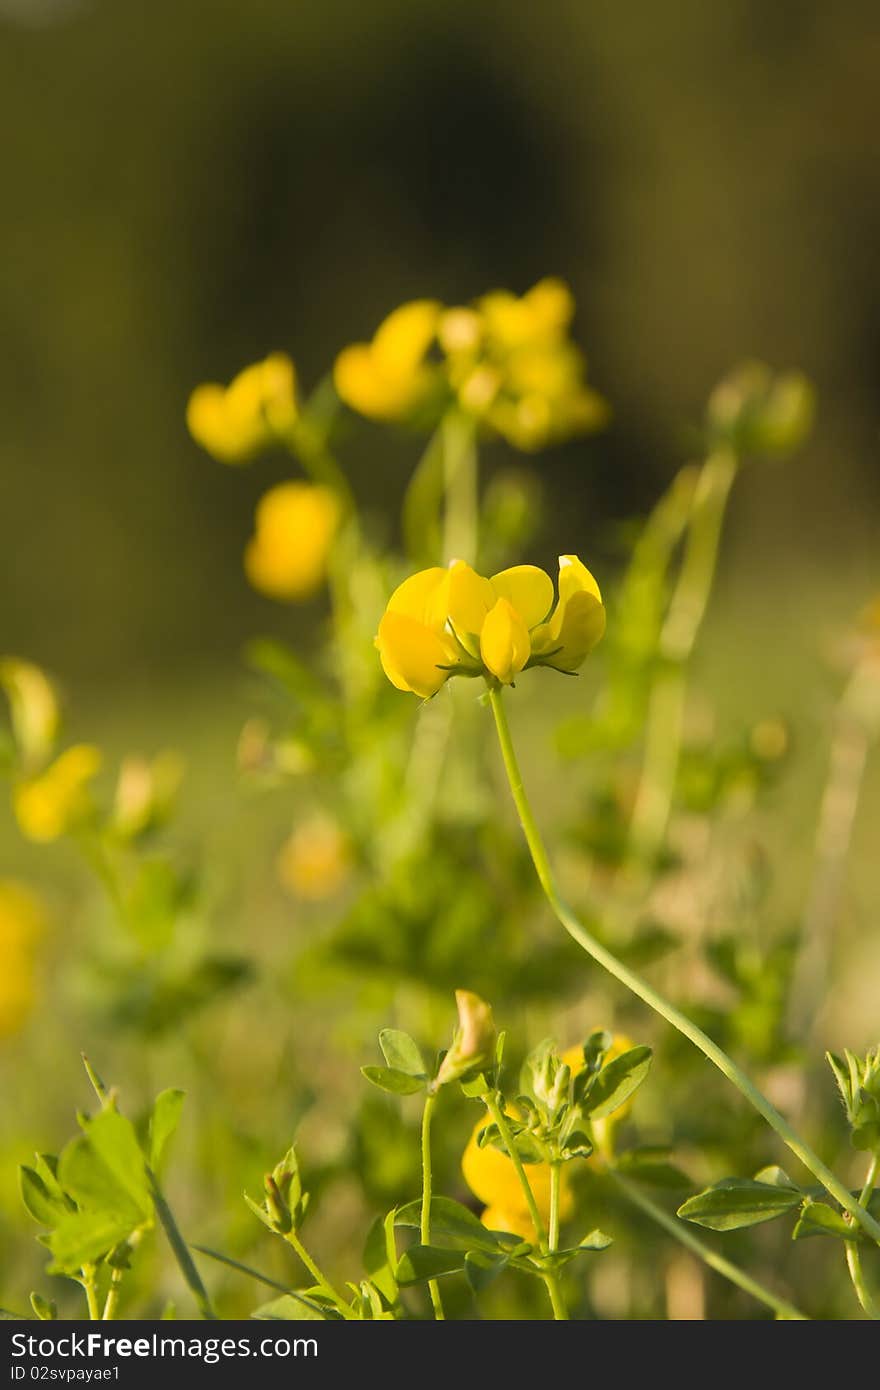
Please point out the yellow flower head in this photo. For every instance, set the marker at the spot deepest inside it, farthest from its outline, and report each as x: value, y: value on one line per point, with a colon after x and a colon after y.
x: 315, y: 861
x: 390, y: 377
x: 492, y: 1178
x: 22, y: 922
x: 33, y: 705
x: 512, y: 364
x: 288, y: 555
x: 444, y: 622
x: 234, y: 423
x: 52, y: 803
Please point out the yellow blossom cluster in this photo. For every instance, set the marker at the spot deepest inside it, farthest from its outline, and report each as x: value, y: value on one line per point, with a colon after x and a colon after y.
x: 444, y: 622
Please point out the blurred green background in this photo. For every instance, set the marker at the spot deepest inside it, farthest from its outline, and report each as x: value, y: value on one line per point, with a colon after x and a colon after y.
x: 187, y: 186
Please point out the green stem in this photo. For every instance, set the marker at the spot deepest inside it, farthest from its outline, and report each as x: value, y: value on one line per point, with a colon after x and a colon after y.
x: 553, y: 1230
x: 703, y: 1252
x: 557, y: 1302
x: 868, y: 1303
x: 90, y: 1284
x: 321, y: 1280
x: 425, y: 1228
x: 687, y: 608
x: 180, y: 1250
x: 460, y: 518
x: 111, y: 1303
x: 649, y: 996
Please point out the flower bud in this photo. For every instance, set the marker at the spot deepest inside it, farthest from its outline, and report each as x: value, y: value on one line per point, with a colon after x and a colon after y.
x: 473, y: 1046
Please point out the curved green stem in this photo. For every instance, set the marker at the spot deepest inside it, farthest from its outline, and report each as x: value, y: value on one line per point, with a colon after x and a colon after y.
x: 425, y: 1226
x: 321, y: 1280
x: 650, y: 996
x: 868, y: 1303
x: 551, y: 1280
x: 710, y: 1257
x: 460, y: 518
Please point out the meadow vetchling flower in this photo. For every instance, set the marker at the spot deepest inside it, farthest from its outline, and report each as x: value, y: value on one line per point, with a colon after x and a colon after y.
x: 444, y: 622
x: 492, y: 1178
x: 287, y: 557
x: 55, y: 800
x: 234, y: 423
x: 390, y: 377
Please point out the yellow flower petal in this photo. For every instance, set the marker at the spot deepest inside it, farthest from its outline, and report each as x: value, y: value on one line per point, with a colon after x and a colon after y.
x: 49, y: 805
x: 424, y: 597
x: 470, y: 598
x: 504, y: 642
x: 528, y: 589
x: 295, y: 527
x: 578, y: 620
x: 492, y: 1178
x: 33, y: 706
x: 387, y: 378
x: 412, y: 654
x: 402, y: 340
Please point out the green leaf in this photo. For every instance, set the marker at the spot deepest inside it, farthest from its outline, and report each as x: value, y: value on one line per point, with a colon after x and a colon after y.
x: 422, y: 1262
x: 454, y: 1223
x: 42, y: 1205
x: 164, y: 1120
x: 481, y: 1268
x: 399, y: 1083
x: 594, y: 1240
x: 83, y: 1237
x: 401, y: 1052
x: 774, y: 1176
x: 45, y: 1309
x: 818, y: 1219
x: 104, y: 1169
x: 616, y: 1082
x: 737, y: 1202
x: 377, y: 1262
x: 290, y: 1307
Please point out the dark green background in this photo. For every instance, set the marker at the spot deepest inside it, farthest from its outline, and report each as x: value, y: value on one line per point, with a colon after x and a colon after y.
x: 187, y: 185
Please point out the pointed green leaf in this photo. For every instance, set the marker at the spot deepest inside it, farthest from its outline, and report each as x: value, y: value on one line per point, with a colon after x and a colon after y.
x: 422, y: 1262
x: 83, y: 1237
x: 818, y: 1219
x: 290, y: 1307
x: 401, y: 1052
x: 774, y: 1176
x: 481, y: 1268
x: 452, y: 1222
x: 164, y: 1119
x: 105, y: 1168
x: 376, y: 1259
x: 616, y: 1082
x: 737, y: 1202
x: 399, y: 1083
x: 39, y: 1201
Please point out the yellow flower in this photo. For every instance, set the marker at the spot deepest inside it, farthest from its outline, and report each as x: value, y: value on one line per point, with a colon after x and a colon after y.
x: 315, y: 861
x: 289, y: 553
x: 145, y: 792
x: 33, y: 705
x: 512, y: 365
x: 443, y: 622
x: 236, y: 422
x: 50, y: 804
x: 492, y: 1178
x: 22, y: 922
x: 388, y: 378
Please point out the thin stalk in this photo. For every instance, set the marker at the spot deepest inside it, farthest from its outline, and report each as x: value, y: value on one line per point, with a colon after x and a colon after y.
x: 867, y: 1300
x: 90, y: 1285
x: 687, y: 608
x: 685, y: 1237
x: 321, y: 1280
x: 425, y: 1225
x: 837, y: 816
x: 111, y: 1303
x: 180, y: 1250
x: 557, y: 1302
x: 650, y: 996
x: 461, y: 512
x: 553, y: 1228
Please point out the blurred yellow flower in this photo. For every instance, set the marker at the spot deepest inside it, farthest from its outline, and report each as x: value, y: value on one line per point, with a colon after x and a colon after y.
x: 33, y: 705
x: 388, y: 378
x: 50, y: 804
x: 492, y: 1178
x: 288, y: 555
x: 444, y: 622
x: 22, y: 922
x: 145, y: 792
x: 234, y: 423
x: 513, y: 366
x: 315, y: 861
